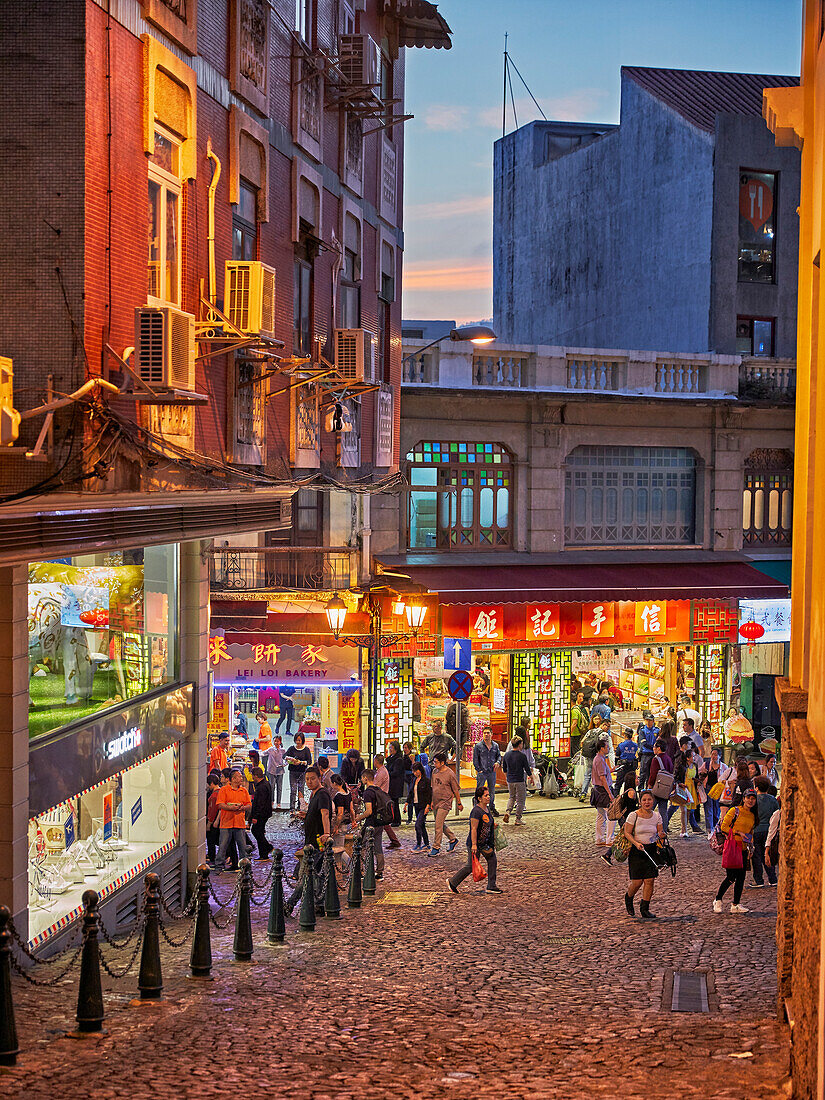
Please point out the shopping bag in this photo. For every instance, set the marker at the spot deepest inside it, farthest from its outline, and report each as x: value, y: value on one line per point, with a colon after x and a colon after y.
x: 551, y: 786
x: 732, y: 853
x: 680, y: 796
x: 500, y: 840
x: 578, y: 776
x: 621, y: 847
x: 479, y: 872
x: 716, y: 791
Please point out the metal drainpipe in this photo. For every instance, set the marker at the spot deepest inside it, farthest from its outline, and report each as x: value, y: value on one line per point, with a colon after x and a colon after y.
x: 213, y: 186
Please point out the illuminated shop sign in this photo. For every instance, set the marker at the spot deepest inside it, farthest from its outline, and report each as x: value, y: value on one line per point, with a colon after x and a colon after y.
x: 127, y: 741
x: 773, y: 616
x: 268, y: 662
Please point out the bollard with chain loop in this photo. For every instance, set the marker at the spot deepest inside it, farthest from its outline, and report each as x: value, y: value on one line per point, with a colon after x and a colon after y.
x: 276, y: 929
x: 200, y: 959
x: 90, y: 993
x: 354, y: 895
x: 369, y: 862
x: 332, y: 903
x: 243, y: 924
x: 150, y: 977
x: 306, y: 919
x: 8, y: 1032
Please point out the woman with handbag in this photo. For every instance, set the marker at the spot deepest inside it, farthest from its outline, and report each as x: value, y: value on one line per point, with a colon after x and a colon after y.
x: 643, y: 828
x: 479, y: 842
x: 738, y: 825
x: 715, y: 776
x: 684, y: 796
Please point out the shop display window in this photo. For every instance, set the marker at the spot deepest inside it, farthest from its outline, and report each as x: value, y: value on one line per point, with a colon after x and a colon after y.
x: 100, y: 839
x: 102, y: 629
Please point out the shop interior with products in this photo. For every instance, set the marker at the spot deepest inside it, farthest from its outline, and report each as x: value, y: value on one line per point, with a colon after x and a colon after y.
x: 102, y: 628
x: 316, y: 711
x: 99, y: 839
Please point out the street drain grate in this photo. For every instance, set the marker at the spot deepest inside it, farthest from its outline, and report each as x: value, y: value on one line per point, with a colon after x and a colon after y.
x: 408, y: 897
x: 690, y: 992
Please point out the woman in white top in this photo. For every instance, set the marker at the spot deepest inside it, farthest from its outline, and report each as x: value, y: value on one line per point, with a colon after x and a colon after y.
x: 643, y: 828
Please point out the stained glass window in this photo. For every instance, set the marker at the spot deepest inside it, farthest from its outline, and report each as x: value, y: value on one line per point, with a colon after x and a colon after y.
x: 460, y: 496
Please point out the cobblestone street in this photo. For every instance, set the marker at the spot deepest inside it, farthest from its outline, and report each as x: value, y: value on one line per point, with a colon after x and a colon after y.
x: 550, y: 990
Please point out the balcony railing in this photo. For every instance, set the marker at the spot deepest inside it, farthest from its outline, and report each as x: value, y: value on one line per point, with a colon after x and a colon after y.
x: 769, y: 379
x: 457, y: 365
x: 283, y: 568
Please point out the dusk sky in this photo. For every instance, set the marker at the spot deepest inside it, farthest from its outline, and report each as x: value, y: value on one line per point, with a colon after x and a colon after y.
x: 570, y: 54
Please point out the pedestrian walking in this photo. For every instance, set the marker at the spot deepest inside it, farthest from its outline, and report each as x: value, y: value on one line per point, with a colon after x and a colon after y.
x: 343, y: 818
x: 742, y: 783
x: 684, y: 777
x: 647, y: 736
x: 579, y: 721
x: 322, y: 764
x: 643, y: 828
x: 219, y: 756
x: 298, y: 759
x: 317, y: 819
x: 261, y: 812
x: 275, y: 768
x: 660, y: 780
x: 772, y: 839
x: 213, y: 785
x: 668, y: 734
x: 370, y: 798
x: 717, y: 772
x: 479, y: 843
x: 438, y: 741
x: 409, y: 760
x: 286, y: 709
x: 589, y: 748
x: 445, y: 790
x: 766, y: 807
x: 516, y: 769
x: 232, y: 801
x: 486, y: 757
x: 626, y: 755
x: 601, y: 796
x: 397, y: 768
x: 739, y: 821
x: 382, y: 782
x: 420, y: 801
x: 769, y: 770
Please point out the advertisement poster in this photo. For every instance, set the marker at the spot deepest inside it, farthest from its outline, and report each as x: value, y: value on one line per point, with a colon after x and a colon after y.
x: 108, y: 804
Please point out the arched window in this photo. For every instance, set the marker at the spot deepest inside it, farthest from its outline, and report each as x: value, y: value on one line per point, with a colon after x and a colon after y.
x: 767, y: 498
x: 626, y: 496
x: 460, y: 496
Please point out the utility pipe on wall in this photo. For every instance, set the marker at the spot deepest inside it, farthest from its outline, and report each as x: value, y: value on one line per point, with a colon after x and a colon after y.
x: 213, y: 187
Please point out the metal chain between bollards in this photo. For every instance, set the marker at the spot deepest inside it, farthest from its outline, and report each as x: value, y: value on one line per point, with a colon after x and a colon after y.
x: 186, y: 913
x: 140, y: 920
x: 70, y: 946
x: 113, y: 973
x: 266, y: 881
x: 223, y: 905
x: 168, y: 938
x: 46, y: 981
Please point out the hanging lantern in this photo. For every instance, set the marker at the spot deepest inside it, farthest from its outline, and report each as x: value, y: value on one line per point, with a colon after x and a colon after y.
x: 751, y: 631
x: 336, y: 612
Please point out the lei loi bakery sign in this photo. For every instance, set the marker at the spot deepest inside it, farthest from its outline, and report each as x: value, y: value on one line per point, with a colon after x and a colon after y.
x: 265, y: 661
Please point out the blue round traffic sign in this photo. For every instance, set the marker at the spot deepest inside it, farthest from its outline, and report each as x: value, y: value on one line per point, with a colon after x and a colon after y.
x: 460, y: 686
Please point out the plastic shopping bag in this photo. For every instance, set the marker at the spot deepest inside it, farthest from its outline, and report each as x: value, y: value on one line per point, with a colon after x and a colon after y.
x: 479, y: 872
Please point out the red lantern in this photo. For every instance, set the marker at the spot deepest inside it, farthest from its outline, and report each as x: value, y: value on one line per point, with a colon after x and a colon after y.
x: 750, y: 632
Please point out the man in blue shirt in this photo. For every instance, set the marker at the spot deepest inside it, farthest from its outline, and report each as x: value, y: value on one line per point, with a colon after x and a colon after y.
x: 486, y: 754
x: 602, y: 707
x: 625, y: 759
x: 648, y: 734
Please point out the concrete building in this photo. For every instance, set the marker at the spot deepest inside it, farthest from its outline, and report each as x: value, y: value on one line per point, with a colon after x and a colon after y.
x: 796, y: 116
x: 201, y: 247
x: 675, y: 229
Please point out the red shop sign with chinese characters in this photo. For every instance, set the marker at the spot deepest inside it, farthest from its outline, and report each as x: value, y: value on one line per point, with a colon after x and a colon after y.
x: 535, y: 625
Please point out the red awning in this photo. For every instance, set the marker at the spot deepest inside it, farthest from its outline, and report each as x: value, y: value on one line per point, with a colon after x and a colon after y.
x: 472, y: 584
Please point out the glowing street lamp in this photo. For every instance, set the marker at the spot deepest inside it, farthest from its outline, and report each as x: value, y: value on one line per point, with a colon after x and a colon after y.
x: 416, y: 614
x: 336, y: 613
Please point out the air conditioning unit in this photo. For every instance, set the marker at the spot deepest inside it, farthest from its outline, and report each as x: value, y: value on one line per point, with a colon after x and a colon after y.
x: 249, y: 297
x: 165, y: 347
x: 359, y: 59
x: 355, y: 354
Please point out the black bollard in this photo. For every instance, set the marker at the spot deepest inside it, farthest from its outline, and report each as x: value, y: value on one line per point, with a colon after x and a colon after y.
x: 369, y: 862
x: 276, y: 929
x: 150, y: 977
x: 243, y: 922
x: 306, y: 918
x: 8, y: 1032
x: 89, y: 993
x: 354, y: 896
x: 332, y: 902
x: 200, y: 960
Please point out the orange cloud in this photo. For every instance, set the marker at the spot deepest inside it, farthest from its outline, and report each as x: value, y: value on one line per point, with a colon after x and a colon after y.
x: 454, y: 275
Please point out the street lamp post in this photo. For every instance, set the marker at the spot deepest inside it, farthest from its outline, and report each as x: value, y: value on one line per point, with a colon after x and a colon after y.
x: 476, y: 334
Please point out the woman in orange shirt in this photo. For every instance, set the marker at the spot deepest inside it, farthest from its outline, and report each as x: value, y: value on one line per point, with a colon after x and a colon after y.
x: 264, y: 733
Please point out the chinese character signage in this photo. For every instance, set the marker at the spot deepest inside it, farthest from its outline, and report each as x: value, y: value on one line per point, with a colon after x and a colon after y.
x: 651, y: 618
x: 349, y: 707
x: 774, y: 616
x: 395, y: 701
x: 267, y: 661
x: 598, y: 620
x: 542, y: 622
x: 487, y: 624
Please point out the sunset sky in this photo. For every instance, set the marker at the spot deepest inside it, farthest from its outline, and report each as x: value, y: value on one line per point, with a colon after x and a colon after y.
x: 570, y: 55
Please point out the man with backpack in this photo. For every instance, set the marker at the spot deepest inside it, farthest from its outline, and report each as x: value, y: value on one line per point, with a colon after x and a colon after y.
x: 378, y: 811
x: 589, y: 750
x: 579, y: 722
x: 647, y: 736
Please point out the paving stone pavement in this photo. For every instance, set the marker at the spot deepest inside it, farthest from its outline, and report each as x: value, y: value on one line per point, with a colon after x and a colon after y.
x: 548, y: 991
